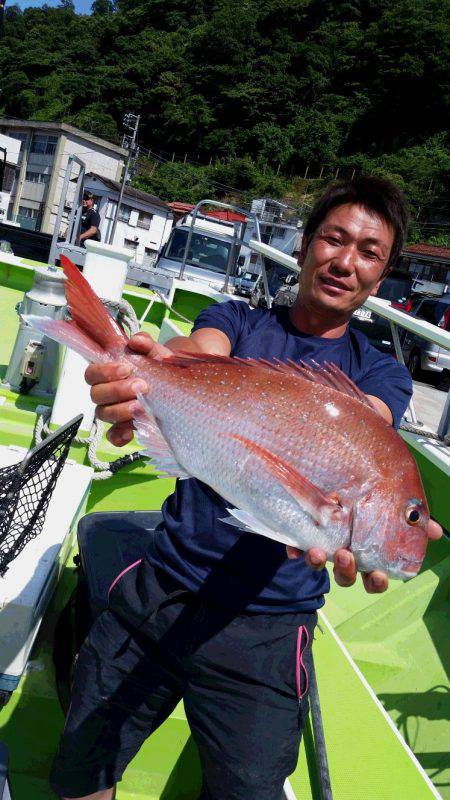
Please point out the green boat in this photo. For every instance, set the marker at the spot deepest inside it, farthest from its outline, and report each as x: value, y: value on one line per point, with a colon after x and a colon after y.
x: 382, y: 662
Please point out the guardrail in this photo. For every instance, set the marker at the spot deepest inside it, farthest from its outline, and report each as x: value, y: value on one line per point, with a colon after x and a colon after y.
x: 395, y: 317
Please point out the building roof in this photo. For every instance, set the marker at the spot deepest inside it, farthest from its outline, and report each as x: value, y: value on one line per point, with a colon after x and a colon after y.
x: 427, y: 250
x: 130, y: 192
x: 225, y: 215
x: 61, y: 127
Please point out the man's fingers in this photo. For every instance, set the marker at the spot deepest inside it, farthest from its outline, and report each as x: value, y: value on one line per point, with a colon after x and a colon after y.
x: 120, y: 434
x: 375, y: 582
x: 118, y: 391
x: 118, y: 412
x: 142, y: 343
x: 107, y: 373
x: 344, y: 568
x: 434, y: 530
x: 316, y: 558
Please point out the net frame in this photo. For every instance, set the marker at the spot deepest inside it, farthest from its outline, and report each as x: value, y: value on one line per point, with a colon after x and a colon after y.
x: 26, y: 489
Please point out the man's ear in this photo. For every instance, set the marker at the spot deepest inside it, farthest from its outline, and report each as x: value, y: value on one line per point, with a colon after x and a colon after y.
x: 374, y: 291
x: 377, y: 286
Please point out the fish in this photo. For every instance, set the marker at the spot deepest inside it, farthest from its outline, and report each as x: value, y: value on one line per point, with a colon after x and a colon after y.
x: 297, y: 451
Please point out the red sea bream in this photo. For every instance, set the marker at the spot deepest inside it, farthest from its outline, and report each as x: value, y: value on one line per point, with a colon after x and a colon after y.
x: 297, y: 451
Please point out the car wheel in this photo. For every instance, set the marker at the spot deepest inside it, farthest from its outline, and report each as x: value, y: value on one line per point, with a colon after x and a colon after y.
x: 414, y: 364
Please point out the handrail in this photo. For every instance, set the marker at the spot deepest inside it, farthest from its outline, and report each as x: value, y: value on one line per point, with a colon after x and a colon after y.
x: 381, y: 307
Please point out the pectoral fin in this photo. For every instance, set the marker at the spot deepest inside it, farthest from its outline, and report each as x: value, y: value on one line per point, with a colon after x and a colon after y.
x: 320, y: 506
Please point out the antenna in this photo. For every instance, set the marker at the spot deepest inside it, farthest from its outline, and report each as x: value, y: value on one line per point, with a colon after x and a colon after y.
x: 129, y: 143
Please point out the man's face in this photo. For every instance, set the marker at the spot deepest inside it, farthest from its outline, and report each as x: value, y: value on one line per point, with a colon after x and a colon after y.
x: 344, y: 261
x: 87, y: 203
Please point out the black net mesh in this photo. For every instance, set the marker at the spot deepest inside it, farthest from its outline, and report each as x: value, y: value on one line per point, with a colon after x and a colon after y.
x: 26, y: 489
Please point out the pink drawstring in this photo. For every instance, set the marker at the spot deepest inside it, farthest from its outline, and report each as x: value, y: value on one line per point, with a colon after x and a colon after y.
x: 299, y: 661
x: 121, y: 574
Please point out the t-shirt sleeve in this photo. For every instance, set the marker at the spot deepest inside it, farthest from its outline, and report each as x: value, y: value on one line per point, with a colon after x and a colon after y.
x: 390, y: 382
x: 231, y: 318
x: 94, y: 219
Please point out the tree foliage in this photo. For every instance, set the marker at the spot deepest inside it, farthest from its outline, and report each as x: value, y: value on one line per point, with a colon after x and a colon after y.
x: 253, y: 90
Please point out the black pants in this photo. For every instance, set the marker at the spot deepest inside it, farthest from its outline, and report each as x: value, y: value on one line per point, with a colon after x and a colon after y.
x: 243, y: 678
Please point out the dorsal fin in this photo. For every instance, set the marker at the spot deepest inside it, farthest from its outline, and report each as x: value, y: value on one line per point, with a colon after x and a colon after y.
x: 87, y: 310
x: 327, y: 375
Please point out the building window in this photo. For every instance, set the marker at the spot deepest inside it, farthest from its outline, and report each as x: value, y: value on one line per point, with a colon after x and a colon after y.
x: 8, y: 179
x: 279, y: 233
x: 44, y: 144
x: 29, y: 213
x: 36, y: 177
x: 28, y: 218
x: 144, y: 220
x: 133, y: 243
x: 124, y: 213
x: 20, y: 135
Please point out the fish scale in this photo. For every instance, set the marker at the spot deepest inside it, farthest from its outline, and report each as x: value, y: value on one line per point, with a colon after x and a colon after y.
x: 297, y: 451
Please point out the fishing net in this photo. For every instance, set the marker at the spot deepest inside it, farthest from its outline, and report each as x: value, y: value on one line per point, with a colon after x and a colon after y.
x: 26, y: 489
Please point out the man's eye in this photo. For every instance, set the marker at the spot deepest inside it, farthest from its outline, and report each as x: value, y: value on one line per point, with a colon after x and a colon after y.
x: 370, y: 254
x: 332, y: 239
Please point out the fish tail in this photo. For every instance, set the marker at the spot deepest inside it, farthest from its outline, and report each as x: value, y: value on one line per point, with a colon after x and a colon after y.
x: 88, y: 312
x: 93, y: 333
x: 67, y: 333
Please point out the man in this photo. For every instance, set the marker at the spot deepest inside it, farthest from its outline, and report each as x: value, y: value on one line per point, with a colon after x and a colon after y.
x: 220, y: 617
x: 90, y: 220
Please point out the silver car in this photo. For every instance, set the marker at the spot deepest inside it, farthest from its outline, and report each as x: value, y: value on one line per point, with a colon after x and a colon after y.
x: 419, y: 354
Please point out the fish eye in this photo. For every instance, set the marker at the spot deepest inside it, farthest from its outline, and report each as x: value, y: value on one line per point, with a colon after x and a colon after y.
x: 413, y: 515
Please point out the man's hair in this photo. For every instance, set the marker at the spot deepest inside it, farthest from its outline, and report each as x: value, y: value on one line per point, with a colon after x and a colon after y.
x: 377, y: 195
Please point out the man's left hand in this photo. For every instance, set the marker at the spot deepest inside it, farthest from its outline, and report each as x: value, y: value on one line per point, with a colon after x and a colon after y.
x: 344, y: 568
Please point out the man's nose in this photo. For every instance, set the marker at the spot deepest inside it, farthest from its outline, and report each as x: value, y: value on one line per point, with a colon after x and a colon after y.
x: 344, y: 261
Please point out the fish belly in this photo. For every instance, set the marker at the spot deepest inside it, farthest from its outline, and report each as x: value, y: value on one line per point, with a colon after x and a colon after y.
x: 205, y: 448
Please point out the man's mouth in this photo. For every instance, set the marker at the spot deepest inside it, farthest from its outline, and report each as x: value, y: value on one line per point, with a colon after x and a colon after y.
x: 335, y: 286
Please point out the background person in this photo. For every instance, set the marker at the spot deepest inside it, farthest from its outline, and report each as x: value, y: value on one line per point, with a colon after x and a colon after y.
x: 90, y: 220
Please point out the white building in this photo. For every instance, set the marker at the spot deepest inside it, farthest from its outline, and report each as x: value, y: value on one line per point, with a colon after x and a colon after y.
x: 144, y: 222
x: 9, y: 155
x: 44, y: 151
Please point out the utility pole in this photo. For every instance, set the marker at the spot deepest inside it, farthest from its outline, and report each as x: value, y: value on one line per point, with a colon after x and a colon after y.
x: 131, y: 123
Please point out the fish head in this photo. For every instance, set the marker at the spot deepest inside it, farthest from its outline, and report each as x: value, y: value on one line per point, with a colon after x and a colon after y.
x: 390, y: 529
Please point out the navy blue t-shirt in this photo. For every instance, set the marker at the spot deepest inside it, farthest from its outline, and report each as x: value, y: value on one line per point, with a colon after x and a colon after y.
x: 245, y: 570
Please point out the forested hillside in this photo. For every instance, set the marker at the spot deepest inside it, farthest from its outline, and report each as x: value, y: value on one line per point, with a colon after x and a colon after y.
x: 265, y: 96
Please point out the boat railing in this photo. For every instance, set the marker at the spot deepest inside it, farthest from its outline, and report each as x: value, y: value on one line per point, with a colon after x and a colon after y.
x: 395, y: 317
x: 238, y: 240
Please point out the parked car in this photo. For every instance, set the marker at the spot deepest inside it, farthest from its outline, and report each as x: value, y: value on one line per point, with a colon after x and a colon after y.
x: 419, y: 354
x: 246, y: 283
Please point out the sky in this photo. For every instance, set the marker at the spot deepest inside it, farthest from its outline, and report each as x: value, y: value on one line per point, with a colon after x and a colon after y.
x: 82, y: 6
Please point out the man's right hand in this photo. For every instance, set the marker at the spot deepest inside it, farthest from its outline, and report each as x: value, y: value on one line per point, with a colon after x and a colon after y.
x: 114, y: 388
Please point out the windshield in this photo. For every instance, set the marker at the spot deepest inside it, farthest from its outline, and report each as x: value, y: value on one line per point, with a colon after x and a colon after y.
x: 204, y: 251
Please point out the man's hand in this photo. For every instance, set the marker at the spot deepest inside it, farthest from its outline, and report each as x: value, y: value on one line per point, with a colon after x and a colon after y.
x: 344, y: 568
x: 114, y: 388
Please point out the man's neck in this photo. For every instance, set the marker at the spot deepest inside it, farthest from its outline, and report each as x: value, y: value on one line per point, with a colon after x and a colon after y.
x: 317, y: 323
